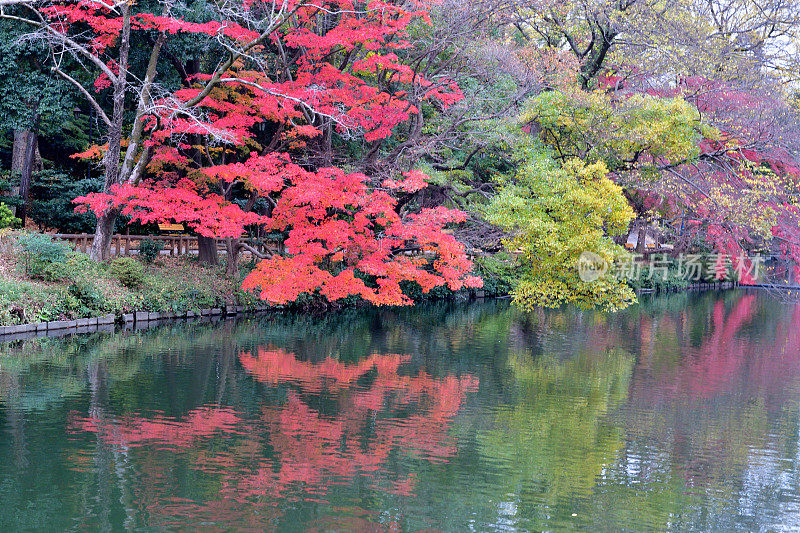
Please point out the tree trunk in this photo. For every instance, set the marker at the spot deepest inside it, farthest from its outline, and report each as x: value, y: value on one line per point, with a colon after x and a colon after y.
x: 18, y: 151
x: 232, y: 249
x: 104, y: 231
x: 641, y: 239
x: 27, y: 173
x: 207, y: 250
x: 18, y: 160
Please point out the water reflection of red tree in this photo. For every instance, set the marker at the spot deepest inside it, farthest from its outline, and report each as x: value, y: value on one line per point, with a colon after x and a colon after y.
x: 132, y: 430
x: 707, y: 396
x: 724, y: 361
x: 373, y: 413
x: 316, y: 449
x: 716, y: 363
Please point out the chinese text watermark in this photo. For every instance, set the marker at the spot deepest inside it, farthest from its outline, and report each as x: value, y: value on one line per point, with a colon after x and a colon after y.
x: 713, y: 267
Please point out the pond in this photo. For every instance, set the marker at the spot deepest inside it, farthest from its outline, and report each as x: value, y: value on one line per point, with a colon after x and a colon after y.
x: 681, y: 413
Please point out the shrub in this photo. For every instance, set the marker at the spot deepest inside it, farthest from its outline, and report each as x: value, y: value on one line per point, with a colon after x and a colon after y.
x: 7, y: 218
x: 498, y: 273
x: 24, y: 301
x: 671, y: 281
x: 128, y: 271
x: 149, y: 250
x: 41, y: 255
x: 74, y: 266
x: 413, y: 290
x: 88, y: 295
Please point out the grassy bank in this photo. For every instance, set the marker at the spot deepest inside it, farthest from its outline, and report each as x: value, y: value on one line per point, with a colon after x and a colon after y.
x: 42, y: 280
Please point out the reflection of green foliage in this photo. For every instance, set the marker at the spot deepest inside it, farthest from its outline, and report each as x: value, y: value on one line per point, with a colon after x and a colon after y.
x: 578, y: 412
x: 554, y: 438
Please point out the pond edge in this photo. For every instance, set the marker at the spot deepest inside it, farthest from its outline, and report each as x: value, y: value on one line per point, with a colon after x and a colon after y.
x: 144, y: 319
x: 109, y: 322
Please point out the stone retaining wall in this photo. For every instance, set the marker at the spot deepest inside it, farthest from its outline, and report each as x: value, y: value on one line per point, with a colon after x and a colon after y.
x: 138, y: 320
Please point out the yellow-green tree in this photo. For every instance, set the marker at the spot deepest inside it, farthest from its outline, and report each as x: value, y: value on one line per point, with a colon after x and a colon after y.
x: 554, y: 214
x: 638, y: 134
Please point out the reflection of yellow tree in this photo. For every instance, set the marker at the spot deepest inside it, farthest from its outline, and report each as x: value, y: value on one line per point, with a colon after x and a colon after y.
x: 554, y: 435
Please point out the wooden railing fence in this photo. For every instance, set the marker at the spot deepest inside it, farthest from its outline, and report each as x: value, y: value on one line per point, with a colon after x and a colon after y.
x: 126, y: 245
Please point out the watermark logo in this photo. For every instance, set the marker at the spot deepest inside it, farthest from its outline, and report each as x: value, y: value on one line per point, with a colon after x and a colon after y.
x: 591, y: 266
x: 715, y: 267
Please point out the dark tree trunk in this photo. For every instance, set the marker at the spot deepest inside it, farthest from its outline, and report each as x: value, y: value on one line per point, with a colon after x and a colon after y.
x: 104, y: 231
x: 207, y: 250
x: 27, y: 173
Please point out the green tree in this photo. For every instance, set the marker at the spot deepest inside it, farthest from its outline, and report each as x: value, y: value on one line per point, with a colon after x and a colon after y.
x: 554, y: 213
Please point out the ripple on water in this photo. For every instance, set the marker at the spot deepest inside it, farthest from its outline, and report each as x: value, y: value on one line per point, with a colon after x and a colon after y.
x: 680, y: 414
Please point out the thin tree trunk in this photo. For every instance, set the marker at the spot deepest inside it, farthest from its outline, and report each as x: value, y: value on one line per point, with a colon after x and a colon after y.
x: 232, y: 249
x: 207, y: 250
x: 101, y: 246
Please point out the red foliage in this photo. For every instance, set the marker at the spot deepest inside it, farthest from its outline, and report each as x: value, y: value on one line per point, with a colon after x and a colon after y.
x: 365, y: 425
x: 748, y: 165
x: 344, y: 237
x: 207, y: 213
x: 339, y: 232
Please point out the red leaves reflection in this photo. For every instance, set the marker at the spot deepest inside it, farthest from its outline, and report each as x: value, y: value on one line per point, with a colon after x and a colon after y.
x: 713, y: 398
x: 316, y: 448
x: 725, y: 360
x: 338, y: 422
x: 133, y: 430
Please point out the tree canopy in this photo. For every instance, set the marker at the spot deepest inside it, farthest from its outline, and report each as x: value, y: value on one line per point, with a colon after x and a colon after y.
x: 422, y: 143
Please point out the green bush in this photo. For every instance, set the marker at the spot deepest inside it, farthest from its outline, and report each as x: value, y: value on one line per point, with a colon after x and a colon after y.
x: 7, y: 218
x: 74, y: 266
x: 41, y: 256
x: 672, y: 280
x: 413, y: 290
x: 23, y: 301
x: 88, y: 296
x: 128, y: 271
x: 498, y: 273
x: 149, y: 250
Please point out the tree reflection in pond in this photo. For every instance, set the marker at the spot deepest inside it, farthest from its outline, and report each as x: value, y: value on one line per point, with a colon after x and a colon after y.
x: 680, y: 413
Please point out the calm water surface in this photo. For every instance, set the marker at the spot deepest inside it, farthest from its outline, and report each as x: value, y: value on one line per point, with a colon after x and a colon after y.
x: 679, y: 414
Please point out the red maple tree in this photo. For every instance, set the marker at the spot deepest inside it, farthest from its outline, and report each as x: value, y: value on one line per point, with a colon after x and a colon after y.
x: 345, y: 233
